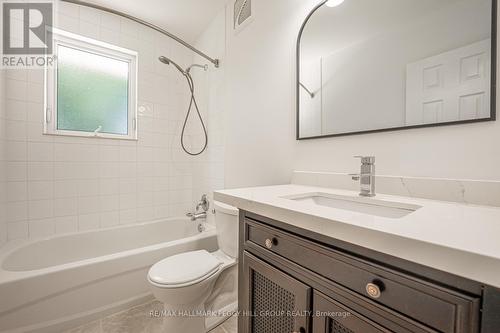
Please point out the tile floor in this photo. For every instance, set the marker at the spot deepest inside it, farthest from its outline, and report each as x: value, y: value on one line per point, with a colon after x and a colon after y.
x: 229, y: 326
x: 138, y: 320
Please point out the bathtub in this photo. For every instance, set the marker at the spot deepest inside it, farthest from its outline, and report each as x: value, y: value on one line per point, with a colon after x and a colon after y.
x: 61, y: 282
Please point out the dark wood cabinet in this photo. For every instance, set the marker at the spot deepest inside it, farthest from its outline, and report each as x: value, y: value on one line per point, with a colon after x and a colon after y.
x: 274, y: 302
x: 330, y: 316
x: 292, y: 283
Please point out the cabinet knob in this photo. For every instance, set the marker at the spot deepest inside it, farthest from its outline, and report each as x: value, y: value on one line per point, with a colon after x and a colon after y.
x: 271, y: 242
x: 375, y: 289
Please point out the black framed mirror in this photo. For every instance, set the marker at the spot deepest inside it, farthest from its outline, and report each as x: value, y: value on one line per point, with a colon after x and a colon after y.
x: 367, y: 66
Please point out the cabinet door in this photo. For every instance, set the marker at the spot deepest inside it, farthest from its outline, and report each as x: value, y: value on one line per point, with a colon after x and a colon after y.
x: 272, y: 301
x: 330, y: 316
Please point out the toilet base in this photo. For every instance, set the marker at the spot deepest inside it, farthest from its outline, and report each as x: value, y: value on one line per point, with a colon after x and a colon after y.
x: 191, y: 322
x: 226, y: 313
x: 209, y: 302
x: 185, y: 321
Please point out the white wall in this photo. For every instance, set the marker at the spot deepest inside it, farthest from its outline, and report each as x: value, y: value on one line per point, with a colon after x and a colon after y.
x: 260, y: 124
x: 64, y: 184
x: 466, y: 151
x: 260, y: 120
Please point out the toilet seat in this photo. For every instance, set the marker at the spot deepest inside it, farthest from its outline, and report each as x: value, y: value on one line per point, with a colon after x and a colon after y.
x: 184, y: 269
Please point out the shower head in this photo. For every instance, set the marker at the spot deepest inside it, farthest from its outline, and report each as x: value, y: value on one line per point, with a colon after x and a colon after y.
x: 168, y: 61
x: 164, y: 60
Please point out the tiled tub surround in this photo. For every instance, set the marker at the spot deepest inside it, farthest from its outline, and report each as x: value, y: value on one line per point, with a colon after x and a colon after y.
x: 67, y: 283
x: 476, y: 192
x: 59, y: 184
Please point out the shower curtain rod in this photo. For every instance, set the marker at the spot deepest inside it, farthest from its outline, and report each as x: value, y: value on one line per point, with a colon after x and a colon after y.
x: 215, y: 62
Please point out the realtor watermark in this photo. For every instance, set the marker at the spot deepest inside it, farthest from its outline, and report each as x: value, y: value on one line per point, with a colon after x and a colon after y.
x: 27, y: 34
x: 264, y: 313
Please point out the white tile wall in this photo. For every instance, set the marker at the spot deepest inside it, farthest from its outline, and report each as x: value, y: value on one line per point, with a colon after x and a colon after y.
x: 64, y: 184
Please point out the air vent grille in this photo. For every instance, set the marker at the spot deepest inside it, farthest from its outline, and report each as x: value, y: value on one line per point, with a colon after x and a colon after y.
x: 242, y: 12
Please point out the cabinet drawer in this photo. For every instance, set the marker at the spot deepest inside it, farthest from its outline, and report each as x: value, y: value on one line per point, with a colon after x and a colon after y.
x: 439, y: 308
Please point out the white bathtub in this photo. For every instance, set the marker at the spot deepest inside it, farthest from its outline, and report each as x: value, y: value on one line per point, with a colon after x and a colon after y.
x: 57, y: 283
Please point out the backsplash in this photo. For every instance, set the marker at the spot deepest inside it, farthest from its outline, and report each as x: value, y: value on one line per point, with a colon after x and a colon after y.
x: 476, y: 192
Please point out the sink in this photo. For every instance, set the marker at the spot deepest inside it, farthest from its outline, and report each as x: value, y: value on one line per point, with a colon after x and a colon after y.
x: 368, y: 206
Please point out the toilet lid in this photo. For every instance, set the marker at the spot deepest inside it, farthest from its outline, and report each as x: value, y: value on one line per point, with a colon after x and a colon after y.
x: 183, y: 268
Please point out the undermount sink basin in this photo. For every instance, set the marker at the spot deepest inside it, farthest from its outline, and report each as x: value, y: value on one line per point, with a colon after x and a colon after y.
x: 368, y: 206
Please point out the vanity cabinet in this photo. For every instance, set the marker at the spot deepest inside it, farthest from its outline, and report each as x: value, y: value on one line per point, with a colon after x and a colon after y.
x: 275, y: 301
x: 291, y: 282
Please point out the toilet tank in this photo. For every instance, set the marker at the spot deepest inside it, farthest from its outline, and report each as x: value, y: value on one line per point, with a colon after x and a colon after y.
x: 226, y: 222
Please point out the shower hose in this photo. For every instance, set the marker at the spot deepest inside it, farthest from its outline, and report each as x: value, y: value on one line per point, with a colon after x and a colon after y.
x: 192, y: 103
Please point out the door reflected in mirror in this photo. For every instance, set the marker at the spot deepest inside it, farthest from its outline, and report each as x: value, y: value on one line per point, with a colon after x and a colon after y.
x: 377, y: 65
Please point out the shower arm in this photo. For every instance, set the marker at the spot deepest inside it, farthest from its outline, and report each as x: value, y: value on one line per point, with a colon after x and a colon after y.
x: 215, y: 62
x: 204, y: 67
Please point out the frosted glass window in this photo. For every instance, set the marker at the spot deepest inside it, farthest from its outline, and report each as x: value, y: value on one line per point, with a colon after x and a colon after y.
x: 92, y: 89
x: 92, y: 92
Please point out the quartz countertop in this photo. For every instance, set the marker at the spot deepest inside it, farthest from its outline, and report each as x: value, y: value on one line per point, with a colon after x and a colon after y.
x: 456, y: 238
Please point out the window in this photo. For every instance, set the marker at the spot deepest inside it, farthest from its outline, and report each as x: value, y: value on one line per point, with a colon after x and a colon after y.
x: 91, y: 90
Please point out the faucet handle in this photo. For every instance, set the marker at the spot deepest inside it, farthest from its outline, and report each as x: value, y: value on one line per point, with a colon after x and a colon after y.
x: 204, y: 203
x: 366, y: 159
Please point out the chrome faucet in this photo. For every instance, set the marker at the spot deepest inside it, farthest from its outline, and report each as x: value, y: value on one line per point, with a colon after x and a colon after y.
x: 366, y: 177
x: 204, y: 204
x: 196, y: 216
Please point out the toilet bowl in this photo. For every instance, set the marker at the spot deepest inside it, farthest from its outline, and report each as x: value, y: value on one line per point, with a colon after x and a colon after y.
x: 184, y: 282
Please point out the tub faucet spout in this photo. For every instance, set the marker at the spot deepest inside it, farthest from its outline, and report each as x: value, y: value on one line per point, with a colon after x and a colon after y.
x: 197, y: 216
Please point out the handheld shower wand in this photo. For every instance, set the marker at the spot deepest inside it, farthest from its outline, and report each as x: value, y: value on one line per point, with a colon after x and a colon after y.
x: 192, y: 102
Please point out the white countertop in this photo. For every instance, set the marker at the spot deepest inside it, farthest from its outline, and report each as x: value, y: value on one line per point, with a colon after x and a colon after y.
x: 457, y: 238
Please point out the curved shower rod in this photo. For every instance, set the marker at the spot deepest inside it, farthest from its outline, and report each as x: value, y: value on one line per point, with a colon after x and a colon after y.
x: 215, y: 62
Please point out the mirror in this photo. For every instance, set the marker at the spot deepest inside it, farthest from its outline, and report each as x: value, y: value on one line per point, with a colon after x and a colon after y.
x: 379, y: 65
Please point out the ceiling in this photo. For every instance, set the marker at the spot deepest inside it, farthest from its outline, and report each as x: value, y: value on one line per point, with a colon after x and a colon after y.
x: 186, y: 19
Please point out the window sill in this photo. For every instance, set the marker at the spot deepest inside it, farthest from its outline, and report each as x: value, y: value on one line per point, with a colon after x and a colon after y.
x: 92, y: 135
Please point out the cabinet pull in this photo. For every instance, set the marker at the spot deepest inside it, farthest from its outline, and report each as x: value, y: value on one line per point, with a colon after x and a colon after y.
x: 271, y: 242
x: 375, y: 289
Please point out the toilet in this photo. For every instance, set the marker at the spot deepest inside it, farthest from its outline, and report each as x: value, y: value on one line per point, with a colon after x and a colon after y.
x: 191, y: 283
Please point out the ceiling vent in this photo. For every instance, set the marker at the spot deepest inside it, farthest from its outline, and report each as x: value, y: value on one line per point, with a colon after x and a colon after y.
x: 242, y: 14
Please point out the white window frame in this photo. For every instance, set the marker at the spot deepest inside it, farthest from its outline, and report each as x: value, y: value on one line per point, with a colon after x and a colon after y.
x: 67, y: 39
